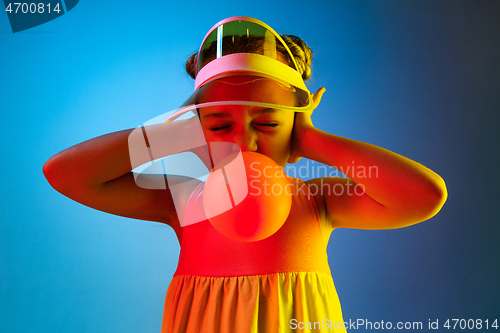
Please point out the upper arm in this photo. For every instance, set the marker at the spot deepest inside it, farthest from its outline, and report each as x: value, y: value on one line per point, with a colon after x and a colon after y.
x: 121, y: 196
x: 345, y: 204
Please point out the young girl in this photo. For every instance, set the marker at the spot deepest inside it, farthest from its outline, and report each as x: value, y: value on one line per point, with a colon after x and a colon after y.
x: 249, y: 92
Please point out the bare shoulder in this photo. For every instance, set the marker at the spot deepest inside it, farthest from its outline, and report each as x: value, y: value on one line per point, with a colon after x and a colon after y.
x: 343, y: 203
x: 147, y: 197
x: 323, y: 187
x: 316, y: 187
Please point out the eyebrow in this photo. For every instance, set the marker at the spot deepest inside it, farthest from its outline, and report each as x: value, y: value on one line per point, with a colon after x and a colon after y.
x: 217, y: 115
x: 227, y: 115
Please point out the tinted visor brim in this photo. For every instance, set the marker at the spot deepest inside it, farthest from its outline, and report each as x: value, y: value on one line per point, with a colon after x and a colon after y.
x: 247, y: 89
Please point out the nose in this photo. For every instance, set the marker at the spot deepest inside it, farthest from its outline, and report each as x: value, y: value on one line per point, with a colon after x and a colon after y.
x: 246, y: 139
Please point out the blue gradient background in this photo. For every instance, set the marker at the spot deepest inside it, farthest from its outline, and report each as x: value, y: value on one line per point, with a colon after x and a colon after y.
x: 421, y: 78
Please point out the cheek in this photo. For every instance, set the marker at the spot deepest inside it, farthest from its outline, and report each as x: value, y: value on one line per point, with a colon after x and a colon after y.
x: 289, y: 127
x: 218, y: 148
x: 284, y: 139
x: 209, y: 135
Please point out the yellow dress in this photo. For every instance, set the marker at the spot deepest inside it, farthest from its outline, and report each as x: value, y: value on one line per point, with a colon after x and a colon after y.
x: 279, y: 284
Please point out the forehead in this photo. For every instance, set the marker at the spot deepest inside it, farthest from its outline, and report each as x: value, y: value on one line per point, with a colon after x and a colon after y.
x: 247, y: 88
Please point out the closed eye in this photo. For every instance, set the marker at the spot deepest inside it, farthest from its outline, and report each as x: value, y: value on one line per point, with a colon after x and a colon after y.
x: 215, y: 129
x: 269, y: 124
x: 218, y: 128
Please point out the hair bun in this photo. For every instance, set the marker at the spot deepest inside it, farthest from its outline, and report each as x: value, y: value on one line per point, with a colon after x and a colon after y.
x: 192, y: 65
x: 302, y: 54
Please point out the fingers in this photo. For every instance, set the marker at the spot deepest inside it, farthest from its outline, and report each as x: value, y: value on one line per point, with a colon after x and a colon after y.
x: 317, y: 96
x: 320, y: 92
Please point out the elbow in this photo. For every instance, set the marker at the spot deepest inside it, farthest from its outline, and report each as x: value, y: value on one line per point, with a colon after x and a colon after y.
x: 52, y: 171
x: 434, y: 199
x: 49, y: 171
x: 419, y: 206
x: 443, y: 193
x: 423, y: 204
x: 440, y: 194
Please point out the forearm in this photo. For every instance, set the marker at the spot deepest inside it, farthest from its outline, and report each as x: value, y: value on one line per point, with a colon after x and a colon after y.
x: 391, y: 179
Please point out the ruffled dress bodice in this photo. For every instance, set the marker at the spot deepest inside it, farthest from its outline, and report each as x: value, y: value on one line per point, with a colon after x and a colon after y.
x: 278, y: 284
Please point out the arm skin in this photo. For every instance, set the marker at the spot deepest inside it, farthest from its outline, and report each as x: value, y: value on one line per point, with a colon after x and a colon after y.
x: 399, y: 193
x: 97, y: 173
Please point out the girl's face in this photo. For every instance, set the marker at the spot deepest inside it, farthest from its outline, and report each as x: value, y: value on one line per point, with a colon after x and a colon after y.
x: 256, y: 129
